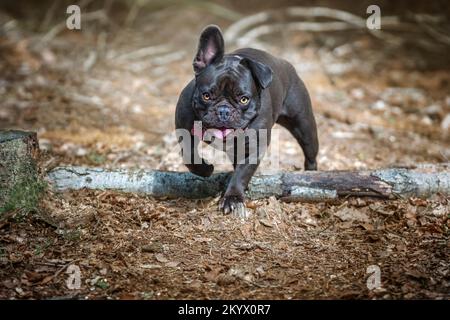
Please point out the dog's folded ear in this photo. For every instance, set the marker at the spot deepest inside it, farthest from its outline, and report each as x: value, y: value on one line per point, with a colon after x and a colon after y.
x: 210, y: 48
x: 262, y: 73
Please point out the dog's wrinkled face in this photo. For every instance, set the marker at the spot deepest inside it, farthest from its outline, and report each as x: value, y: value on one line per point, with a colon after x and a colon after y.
x: 227, y: 93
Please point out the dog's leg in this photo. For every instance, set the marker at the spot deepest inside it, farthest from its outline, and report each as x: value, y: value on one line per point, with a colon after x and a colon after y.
x: 298, y: 118
x: 305, y: 134
x: 233, y: 199
x: 184, y: 122
x: 192, y: 159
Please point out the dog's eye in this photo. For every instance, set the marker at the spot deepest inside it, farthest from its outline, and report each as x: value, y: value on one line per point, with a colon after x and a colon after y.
x: 206, y: 96
x: 244, y: 100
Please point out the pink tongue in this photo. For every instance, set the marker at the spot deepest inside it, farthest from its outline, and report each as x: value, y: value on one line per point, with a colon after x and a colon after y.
x: 221, y: 133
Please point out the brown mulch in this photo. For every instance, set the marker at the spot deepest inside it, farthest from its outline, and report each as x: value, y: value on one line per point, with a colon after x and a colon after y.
x: 130, y: 247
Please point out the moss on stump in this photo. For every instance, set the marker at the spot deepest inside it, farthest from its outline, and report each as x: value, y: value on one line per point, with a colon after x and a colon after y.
x: 20, y: 187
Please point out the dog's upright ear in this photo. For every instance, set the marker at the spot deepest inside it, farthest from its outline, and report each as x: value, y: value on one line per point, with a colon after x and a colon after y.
x: 261, y: 72
x: 211, y: 48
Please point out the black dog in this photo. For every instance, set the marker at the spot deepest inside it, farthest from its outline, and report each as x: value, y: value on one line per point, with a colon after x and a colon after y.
x: 247, y: 89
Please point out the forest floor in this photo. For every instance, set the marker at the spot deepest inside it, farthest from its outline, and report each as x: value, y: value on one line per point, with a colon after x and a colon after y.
x: 97, y: 99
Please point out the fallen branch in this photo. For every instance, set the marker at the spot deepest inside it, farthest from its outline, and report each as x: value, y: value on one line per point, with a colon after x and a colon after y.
x: 392, y: 183
x: 250, y: 28
x: 19, y: 185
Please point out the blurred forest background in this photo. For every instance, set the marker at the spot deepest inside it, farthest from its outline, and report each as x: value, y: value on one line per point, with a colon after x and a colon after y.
x: 105, y: 96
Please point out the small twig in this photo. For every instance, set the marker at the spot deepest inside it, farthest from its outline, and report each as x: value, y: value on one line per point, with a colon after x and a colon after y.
x: 63, y: 268
x: 132, y: 13
x: 91, y: 100
x: 219, y: 10
x: 443, y: 38
x: 107, y: 5
x: 121, y: 157
x: 143, y: 52
x: 49, y: 16
x: 49, y: 264
x: 168, y: 58
x: 444, y: 156
x: 101, y: 42
x: 58, y: 272
x: 90, y: 61
x: 6, y: 217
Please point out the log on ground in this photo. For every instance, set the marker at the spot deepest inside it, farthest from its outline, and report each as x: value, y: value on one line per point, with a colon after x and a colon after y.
x: 420, y: 181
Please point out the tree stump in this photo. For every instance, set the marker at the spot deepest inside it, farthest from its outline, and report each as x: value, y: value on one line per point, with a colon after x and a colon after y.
x: 19, y: 182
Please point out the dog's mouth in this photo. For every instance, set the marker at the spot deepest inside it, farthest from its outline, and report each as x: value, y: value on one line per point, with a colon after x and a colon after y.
x: 218, y: 133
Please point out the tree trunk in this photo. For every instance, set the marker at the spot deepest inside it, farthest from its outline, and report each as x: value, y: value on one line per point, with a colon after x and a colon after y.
x: 18, y: 173
x: 421, y: 181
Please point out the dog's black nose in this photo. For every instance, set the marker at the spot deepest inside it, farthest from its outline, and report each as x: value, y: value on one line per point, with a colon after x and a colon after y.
x: 224, y: 113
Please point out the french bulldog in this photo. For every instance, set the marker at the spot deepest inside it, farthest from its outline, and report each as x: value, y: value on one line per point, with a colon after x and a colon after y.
x: 245, y: 89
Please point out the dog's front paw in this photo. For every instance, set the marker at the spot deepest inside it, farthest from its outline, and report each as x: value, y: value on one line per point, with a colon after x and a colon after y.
x: 234, y: 205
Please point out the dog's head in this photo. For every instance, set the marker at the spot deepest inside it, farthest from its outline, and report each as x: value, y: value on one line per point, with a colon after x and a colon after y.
x: 227, y: 90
